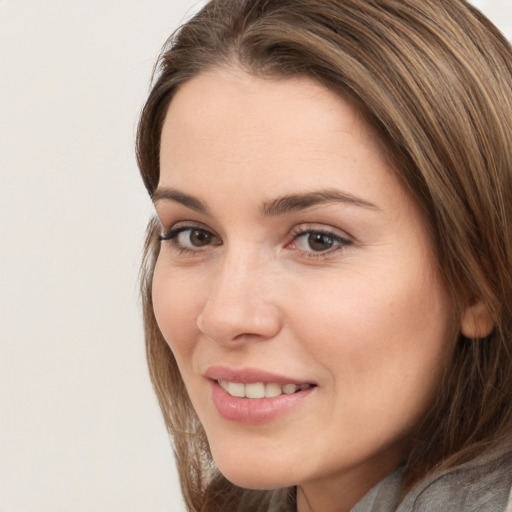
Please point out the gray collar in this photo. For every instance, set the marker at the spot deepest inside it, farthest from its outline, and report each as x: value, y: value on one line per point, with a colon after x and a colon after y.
x: 481, y: 485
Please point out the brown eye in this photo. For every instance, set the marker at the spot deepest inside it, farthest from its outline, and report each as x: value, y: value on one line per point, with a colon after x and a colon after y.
x: 199, y: 237
x: 190, y: 238
x: 320, y: 241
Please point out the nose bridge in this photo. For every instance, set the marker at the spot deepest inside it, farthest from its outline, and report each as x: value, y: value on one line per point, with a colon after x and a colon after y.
x: 239, y: 305
x: 235, y: 286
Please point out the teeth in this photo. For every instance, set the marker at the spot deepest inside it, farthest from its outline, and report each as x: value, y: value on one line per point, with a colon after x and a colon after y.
x: 289, y: 389
x: 224, y: 385
x: 272, y: 390
x: 236, y: 389
x: 259, y: 390
x: 255, y: 390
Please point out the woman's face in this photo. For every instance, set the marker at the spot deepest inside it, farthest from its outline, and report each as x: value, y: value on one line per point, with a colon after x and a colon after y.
x: 296, y: 284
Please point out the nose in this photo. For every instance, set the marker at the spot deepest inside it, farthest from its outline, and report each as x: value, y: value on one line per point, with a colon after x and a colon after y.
x: 239, y: 306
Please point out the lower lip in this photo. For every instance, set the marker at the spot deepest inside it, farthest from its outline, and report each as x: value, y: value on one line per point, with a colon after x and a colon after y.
x: 255, y: 410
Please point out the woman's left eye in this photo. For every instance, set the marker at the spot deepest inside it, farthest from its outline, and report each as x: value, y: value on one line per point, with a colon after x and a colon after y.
x: 318, y: 242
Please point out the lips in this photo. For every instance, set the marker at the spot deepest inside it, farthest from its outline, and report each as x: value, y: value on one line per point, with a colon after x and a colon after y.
x: 254, y: 396
x: 250, y: 376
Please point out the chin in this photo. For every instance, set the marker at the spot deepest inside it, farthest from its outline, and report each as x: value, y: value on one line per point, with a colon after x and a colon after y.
x: 251, y: 472
x: 255, y: 480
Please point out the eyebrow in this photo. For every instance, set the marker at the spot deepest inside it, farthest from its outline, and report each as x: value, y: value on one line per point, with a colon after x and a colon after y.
x: 171, y: 194
x: 275, y: 207
x: 296, y: 202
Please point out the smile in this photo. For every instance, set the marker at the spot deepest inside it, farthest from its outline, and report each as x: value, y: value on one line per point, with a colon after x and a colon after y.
x: 260, y: 390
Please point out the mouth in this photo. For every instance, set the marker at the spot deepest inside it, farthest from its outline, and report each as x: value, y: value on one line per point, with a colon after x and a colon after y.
x: 255, y: 396
x: 259, y: 390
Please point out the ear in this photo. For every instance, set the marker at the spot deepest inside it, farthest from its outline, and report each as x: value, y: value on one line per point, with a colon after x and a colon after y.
x: 476, y: 322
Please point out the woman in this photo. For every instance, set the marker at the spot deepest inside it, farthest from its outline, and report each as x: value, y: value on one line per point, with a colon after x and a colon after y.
x: 327, y: 284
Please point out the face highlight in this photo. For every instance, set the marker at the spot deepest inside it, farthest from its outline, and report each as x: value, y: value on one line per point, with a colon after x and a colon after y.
x: 296, y: 285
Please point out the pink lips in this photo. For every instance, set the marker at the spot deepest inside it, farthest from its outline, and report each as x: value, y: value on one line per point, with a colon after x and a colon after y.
x: 248, y: 410
x: 248, y: 376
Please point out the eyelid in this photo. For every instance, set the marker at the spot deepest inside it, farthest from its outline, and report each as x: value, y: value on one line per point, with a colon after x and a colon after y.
x: 310, y: 227
x: 178, y: 227
x: 342, y: 239
x: 172, y: 237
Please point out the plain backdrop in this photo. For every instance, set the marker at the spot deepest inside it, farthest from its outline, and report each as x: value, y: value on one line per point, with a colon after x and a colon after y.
x: 80, y: 429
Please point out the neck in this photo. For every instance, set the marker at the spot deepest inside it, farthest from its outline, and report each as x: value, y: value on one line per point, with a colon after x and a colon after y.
x: 341, y: 492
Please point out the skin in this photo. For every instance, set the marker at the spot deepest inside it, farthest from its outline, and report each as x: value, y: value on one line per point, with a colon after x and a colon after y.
x: 368, y: 319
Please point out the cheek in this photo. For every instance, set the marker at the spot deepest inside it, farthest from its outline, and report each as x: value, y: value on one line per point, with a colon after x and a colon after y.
x: 177, y: 304
x: 385, y: 337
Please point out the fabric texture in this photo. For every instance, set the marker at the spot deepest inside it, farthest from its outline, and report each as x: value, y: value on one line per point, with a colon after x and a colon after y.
x: 509, y: 504
x: 482, y: 485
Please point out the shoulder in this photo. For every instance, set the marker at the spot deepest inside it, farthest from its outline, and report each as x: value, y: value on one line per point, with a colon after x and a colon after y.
x: 483, y: 485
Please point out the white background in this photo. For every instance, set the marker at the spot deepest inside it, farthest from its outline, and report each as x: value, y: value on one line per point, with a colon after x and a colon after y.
x: 80, y: 429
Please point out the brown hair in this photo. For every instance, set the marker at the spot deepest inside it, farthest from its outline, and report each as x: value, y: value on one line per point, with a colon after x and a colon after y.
x: 434, y: 79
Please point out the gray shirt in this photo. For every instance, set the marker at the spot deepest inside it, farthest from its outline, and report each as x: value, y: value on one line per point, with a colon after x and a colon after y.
x: 482, y: 485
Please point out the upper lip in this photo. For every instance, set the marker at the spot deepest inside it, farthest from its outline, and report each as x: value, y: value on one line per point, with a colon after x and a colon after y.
x: 250, y: 376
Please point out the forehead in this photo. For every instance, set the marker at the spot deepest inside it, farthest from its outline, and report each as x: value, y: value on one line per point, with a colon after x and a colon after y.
x: 238, y: 96
x: 229, y: 117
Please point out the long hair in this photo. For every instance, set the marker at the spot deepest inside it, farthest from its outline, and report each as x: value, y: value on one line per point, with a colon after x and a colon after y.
x: 434, y: 80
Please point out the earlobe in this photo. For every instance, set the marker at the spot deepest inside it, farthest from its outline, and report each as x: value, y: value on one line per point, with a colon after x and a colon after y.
x: 476, y: 322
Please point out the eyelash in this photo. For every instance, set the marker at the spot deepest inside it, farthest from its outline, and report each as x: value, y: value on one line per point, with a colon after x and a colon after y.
x: 338, y: 241
x: 173, y: 234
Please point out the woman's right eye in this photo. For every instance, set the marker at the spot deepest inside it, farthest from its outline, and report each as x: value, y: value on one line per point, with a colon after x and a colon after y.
x: 190, y: 239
